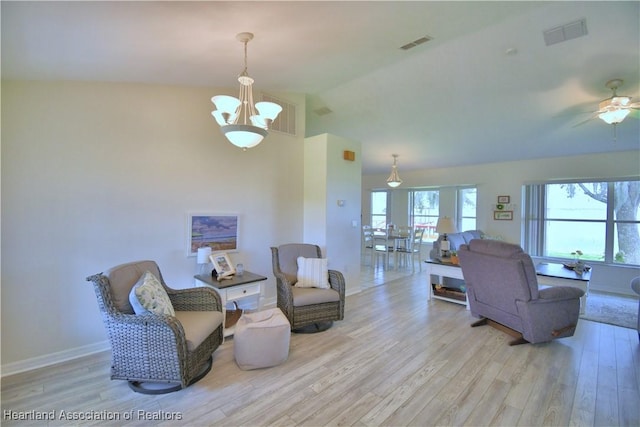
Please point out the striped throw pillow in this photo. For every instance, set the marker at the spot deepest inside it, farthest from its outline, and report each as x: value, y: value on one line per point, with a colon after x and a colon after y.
x: 312, y: 273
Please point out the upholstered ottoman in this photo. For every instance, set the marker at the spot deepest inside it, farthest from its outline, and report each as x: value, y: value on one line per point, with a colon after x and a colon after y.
x: 261, y: 339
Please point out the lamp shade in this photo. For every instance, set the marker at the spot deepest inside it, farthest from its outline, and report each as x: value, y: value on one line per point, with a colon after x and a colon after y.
x: 445, y: 226
x: 203, y: 255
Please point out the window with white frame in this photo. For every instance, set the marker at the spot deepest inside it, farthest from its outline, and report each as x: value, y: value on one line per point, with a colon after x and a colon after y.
x: 424, y: 209
x: 467, y: 208
x: 379, y: 209
x: 600, y: 218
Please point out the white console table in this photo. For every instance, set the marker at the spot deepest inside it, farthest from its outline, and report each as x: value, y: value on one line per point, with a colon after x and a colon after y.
x: 443, y: 269
x: 548, y: 274
x: 235, y: 289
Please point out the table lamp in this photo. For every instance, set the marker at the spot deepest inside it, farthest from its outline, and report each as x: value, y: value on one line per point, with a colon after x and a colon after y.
x: 203, y: 260
x: 444, y: 226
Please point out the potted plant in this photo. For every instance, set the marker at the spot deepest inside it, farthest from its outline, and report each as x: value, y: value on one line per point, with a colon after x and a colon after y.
x: 454, y: 258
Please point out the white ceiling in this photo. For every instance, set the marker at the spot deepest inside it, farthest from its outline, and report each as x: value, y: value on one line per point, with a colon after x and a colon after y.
x: 458, y: 99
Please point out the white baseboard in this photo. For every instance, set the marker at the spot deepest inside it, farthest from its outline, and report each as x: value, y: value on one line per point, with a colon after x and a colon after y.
x: 75, y: 353
x: 53, y: 358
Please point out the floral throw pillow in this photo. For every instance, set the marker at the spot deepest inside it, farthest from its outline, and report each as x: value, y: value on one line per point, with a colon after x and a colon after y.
x: 149, y: 297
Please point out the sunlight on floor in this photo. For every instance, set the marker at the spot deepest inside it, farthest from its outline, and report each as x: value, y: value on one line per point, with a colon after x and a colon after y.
x: 378, y: 275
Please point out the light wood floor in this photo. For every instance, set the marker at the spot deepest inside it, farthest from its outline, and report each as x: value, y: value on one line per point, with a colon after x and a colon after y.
x: 397, y: 359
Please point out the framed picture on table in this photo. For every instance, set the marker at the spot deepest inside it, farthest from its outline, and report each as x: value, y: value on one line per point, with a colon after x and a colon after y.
x: 223, y: 265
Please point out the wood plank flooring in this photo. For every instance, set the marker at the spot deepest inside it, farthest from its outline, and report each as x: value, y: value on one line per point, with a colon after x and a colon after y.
x: 396, y: 360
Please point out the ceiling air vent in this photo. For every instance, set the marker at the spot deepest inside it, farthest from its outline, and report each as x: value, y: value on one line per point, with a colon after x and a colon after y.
x: 415, y: 43
x: 569, y: 31
x: 286, y: 120
x: 323, y: 111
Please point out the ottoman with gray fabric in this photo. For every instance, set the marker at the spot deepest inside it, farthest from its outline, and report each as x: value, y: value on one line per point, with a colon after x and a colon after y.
x: 261, y: 339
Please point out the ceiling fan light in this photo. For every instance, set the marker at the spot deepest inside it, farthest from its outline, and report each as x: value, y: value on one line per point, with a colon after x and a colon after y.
x: 614, y: 116
x: 624, y: 100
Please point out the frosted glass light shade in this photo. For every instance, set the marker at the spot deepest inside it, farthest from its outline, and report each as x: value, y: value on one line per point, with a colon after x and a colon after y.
x: 394, y: 179
x: 268, y: 110
x: 615, y: 116
x: 259, y: 121
x: 244, y: 136
x: 226, y: 104
x: 217, y: 114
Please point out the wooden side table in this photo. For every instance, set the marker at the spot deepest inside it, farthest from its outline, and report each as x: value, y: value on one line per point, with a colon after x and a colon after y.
x: 235, y: 289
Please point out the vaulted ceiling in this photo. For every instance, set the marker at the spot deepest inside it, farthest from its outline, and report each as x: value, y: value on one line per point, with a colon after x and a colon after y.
x: 485, y: 88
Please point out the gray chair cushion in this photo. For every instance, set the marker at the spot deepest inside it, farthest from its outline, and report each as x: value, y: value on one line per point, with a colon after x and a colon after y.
x: 123, y: 277
x: 309, y: 296
x: 198, y: 325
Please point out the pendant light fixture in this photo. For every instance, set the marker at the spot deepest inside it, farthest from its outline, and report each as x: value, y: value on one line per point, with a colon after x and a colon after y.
x: 394, y: 179
x: 237, y: 116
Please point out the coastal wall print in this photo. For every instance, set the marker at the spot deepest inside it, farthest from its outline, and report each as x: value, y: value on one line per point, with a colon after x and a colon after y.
x: 218, y: 231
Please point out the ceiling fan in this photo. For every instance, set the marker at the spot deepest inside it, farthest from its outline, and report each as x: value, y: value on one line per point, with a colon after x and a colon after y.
x: 613, y: 110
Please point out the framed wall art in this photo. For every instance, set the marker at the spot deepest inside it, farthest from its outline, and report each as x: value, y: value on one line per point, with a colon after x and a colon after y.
x: 503, y: 200
x: 503, y: 215
x: 217, y: 231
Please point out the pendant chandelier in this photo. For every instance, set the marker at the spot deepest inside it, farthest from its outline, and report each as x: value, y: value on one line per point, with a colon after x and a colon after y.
x: 237, y: 117
x: 394, y: 179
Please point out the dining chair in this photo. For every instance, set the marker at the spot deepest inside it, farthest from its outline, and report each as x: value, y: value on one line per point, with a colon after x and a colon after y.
x: 383, y: 245
x: 368, y: 243
x: 412, y: 251
x: 403, y: 236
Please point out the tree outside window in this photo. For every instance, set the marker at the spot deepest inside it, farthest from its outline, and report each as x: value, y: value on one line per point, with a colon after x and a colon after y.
x: 601, y: 219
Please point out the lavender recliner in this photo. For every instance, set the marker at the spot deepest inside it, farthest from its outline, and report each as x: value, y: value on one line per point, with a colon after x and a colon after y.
x: 502, y: 286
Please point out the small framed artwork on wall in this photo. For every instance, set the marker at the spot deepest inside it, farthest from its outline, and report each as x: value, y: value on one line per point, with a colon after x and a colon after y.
x: 503, y: 200
x: 217, y: 231
x: 503, y: 215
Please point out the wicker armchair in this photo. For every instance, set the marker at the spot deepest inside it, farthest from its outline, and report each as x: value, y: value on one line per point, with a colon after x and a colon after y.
x: 158, y: 353
x: 308, y: 309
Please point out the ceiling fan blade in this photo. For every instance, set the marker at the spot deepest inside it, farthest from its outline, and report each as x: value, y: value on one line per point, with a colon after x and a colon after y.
x: 635, y: 105
x: 585, y: 121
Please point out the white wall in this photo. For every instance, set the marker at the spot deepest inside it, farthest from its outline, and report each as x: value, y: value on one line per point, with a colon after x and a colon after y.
x: 97, y: 174
x: 329, y: 178
x: 507, y: 179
